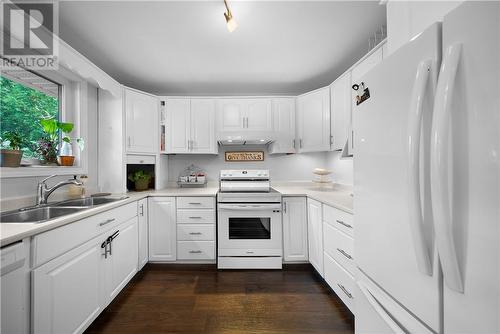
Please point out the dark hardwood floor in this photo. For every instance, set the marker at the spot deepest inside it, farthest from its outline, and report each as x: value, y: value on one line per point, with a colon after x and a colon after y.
x: 201, y: 299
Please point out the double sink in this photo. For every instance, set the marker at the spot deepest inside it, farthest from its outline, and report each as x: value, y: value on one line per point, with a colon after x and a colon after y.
x: 41, y: 214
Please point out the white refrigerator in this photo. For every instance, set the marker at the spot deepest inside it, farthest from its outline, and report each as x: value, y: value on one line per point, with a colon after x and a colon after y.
x: 427, y: 180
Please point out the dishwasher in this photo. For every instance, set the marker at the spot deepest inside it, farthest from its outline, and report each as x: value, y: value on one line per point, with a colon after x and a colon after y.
x: 15, y: 288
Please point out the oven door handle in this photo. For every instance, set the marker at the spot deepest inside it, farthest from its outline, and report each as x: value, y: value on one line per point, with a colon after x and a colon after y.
x: 249, y: 207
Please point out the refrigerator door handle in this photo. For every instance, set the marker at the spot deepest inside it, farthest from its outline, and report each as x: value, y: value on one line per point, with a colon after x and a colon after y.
x: 380, y: 310
x: 414, y: 129
x: 439, y: 168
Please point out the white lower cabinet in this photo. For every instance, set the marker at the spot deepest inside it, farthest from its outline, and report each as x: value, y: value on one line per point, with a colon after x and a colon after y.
x: 162, y: 229
x: 295, y: 229
x: 121, y: 263
x: 142, y: 213
x: 315, y: 234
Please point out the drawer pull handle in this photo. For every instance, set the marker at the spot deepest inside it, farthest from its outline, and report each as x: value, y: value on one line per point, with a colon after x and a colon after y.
x: 195, y: 233
x: 195, y: 203
x: 343, y: 252
x: 195, y: 251
x: 194, y: 217
x: 348, y: 294
x: 342, y: 223
x: 107, y: 222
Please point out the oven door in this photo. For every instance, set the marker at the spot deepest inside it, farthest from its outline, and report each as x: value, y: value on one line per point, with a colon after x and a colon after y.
x: 249, y: 229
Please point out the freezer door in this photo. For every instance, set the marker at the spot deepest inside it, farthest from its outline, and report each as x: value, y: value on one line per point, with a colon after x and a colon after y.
x: 394, y: 242
x: 465, y: 168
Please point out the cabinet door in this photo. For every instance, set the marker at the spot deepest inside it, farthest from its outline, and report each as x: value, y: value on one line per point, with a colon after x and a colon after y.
x: 203, y: 126
x: 315, y: 234
x: 314, y: 121
x: 67, y: 292
x: 284, y: 126
x: 259, y: 115
x: 357, y: 72
x: 340, y: 111
x: 295, y: 229
x: 142, y: 209
x: 162, y: 229
x: 230, y: 114
x: 121, y: 262
x: 142, y: 122
x: 178, y: 125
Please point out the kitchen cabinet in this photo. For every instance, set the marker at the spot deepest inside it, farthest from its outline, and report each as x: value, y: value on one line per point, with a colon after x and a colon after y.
x: 295, y: 229
x: 162, y: 229
x: 315, y: 234
x: 313, y: 121
x: 190, y: 126
x: 340, y: 93
x: 243, y: 114
x: 142, y: 226
x: 68, y: 291
x: 142, y: 117
x: 283, y: 110
x: 121, y: 263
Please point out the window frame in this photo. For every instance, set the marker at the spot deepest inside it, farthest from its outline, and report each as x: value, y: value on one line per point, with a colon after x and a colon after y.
x: 72, y: 108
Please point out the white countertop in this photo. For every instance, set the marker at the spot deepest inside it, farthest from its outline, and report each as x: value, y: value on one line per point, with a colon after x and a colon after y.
x: 338, y: 196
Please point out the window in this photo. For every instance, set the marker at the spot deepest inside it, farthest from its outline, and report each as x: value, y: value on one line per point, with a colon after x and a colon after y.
x: 25, y: 98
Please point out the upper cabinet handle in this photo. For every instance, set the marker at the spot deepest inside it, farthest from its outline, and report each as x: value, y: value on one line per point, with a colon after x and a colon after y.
x: 416, y: 220
x: 439, y: 168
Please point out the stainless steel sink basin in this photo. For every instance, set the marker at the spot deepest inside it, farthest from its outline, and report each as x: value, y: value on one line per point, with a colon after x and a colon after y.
x: 37, y: 215
x: 88, y: 201
x: 54, y: 210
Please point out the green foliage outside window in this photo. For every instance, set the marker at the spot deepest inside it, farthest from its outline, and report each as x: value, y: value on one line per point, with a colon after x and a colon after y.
x: 21, y: 109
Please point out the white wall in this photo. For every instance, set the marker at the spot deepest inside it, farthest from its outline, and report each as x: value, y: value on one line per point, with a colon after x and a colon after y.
x: 293, y: 167
x: 18, y: 192
x: 405, y: 19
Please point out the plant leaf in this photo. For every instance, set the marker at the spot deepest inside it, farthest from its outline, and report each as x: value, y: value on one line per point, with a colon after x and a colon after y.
x: 65, y: 127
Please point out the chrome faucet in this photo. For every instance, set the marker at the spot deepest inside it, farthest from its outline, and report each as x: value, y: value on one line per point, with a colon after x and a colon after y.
x: 43, y: 192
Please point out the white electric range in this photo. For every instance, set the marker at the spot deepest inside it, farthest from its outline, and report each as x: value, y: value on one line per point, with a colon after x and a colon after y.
x: 249, y: 228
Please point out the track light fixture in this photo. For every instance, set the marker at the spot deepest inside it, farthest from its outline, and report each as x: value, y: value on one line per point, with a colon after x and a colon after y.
x: 230, y: 21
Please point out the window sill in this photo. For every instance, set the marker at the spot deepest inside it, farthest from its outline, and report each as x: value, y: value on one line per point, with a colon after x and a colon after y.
x: 33, y: 171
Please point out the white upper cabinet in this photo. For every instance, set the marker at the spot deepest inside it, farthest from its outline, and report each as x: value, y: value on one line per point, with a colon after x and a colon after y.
x: 203, y: 126
x: 142, y: 116
x: 191, y: 126
x: 244, y: 114
x: 178, y: 125
x: 284, y: 126
x: 259, y: 115
x: 314, y: 121
x: 340, y: 93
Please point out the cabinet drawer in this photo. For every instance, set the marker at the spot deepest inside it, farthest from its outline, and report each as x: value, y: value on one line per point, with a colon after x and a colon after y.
x: 339, y: 246
x: 187, y: 232
x: 338, y: 218
x: 196, y: 216
x: 140, y: 159
x: 196, y: 250
x: 195, y: 202
x: 340, y: 281
x: 50, y: 244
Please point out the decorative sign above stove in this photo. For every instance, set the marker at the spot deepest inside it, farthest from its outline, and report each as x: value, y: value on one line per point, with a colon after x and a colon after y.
x: 244, y: 156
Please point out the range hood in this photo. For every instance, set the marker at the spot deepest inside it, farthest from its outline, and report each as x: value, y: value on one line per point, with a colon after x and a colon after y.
x: 246, y: 138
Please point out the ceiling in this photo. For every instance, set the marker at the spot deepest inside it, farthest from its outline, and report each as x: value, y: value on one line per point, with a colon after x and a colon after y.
x: 184, y: 48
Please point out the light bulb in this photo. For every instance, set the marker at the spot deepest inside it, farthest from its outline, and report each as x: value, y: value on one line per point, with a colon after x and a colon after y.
x: 232, y: 24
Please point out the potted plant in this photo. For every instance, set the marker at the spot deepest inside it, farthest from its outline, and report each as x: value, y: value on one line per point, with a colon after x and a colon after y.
x: 141, y: 179
x: 51, y: 149
x: 10, y: 152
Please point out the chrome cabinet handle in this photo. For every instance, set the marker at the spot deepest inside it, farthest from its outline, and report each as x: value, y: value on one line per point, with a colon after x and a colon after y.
x: 293, y: 143
x: 284, y: 207
x: 348, y: 294
x: 343, y: 252
x: 197, y: 203
x: 331, y: 140
x: 142, y: 210
x: 195, y: 251
x: 195, y: 233
x: 342, y: 223
x: 194, y: 217
x: 107, y: 222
